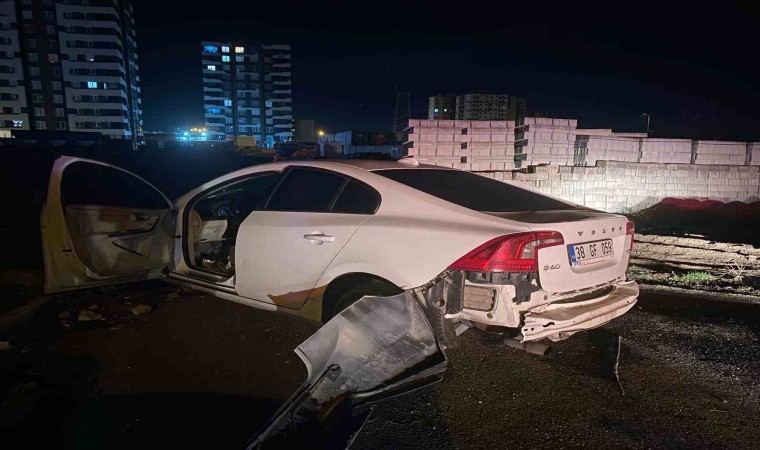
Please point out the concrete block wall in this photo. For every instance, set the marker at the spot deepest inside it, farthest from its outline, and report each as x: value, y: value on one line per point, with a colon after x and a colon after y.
x: 625, y: 187
x: 481, y: 144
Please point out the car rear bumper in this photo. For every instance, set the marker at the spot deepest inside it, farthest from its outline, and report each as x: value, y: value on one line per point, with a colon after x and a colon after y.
x: 559, y: 320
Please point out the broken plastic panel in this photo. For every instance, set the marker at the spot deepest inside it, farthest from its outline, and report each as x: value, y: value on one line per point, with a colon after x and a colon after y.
x: 377, y: 348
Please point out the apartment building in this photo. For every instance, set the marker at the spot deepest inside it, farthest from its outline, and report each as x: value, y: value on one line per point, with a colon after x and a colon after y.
x: 70, y: 65
x: 247, y: 91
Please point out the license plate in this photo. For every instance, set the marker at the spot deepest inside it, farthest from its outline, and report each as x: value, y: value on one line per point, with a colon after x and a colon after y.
x: 590, y: 252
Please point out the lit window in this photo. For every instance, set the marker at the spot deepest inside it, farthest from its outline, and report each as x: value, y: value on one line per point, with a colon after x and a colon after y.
x: 210, y: 48
x: 211, y: 67
x: 435, y: 110
x: 268, y: 103
x: 92, y: 85
x: 225, y: 58
x: 228, y: 103
x: 225, y: 49
x: 239, y: 49
x: 214, y: 110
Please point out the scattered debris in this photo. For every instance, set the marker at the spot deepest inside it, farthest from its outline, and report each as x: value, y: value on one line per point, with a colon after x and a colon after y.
x: 64, y: 315
x: 534, y: 348
x: 617, y: 364
x: 735, y: 270
x: 141, y: 309
x: 86, y: 315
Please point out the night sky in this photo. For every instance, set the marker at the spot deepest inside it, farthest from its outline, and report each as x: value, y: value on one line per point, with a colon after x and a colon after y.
x: 695, y: 69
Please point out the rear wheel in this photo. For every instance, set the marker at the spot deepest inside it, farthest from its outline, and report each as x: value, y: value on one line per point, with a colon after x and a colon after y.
x: 353, y: 295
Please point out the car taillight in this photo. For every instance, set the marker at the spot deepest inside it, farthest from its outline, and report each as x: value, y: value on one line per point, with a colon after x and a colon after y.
x: 511, y: 253
x: 630, y: 230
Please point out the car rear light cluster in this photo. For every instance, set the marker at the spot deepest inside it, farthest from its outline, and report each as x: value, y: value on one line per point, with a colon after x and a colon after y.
x: 511, y: 253
x: 630, y: 230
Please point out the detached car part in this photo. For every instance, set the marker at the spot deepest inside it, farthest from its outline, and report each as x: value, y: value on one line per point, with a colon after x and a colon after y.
x: 377, y: 348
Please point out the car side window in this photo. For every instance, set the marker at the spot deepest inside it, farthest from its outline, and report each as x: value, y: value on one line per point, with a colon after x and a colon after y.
x: 306, y: 190
x: 239, y: 198
x: 92, y: 184
x: 356, y: 198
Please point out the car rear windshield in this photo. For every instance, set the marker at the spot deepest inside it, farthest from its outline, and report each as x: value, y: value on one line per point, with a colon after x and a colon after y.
x: 473, y: 191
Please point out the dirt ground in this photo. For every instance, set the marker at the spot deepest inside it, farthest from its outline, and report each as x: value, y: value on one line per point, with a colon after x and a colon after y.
x: 199, y: 372
x: 696, y: 263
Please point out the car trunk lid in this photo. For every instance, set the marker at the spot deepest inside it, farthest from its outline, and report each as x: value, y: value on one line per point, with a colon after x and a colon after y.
x: 595, y: 250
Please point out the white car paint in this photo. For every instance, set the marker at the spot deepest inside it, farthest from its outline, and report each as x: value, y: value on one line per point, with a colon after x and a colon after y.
x: 285, y: 260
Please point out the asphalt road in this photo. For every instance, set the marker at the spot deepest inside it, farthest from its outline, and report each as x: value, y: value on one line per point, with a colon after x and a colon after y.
x: 199, y: 372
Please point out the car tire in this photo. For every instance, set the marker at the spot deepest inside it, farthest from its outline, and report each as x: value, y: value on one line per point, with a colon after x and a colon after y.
x: 353, y: 295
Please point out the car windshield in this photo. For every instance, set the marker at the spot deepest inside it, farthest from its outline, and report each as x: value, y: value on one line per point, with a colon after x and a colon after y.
x: 473, y: 191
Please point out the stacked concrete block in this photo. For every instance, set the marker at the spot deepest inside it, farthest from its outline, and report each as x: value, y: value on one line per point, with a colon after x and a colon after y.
x: 720, y: 152
x: 482, y: 145
x: 667, y: 151
x: 754, y: 153
x: 610, y: 148
x: 547, y: 141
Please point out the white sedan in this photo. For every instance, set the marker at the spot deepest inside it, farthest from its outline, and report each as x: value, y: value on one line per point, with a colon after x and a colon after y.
x: 312, y: 237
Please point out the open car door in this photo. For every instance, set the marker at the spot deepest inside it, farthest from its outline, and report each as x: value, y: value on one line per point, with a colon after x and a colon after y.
x: 103, y: 225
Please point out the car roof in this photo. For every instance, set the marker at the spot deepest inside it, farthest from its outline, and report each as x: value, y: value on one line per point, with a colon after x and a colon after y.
x: 372, y: 164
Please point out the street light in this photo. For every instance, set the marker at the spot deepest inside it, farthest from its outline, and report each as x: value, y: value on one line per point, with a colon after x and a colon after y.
x: 649, y: 116
x: 320, y: 132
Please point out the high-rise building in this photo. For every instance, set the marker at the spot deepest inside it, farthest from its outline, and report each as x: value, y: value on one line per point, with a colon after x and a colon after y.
x: 70, y: 65
x: 442, y: 107
x: 247, y: 91
x: 487, y: 106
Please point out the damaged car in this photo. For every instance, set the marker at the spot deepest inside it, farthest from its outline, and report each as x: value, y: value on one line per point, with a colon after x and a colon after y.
x: 311, y: 238
x: 395, y: 258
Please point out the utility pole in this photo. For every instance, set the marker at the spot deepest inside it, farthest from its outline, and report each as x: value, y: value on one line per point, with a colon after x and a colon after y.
x: 649, y: 116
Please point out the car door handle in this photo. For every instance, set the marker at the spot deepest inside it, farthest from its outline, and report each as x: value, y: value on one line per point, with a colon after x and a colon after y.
x: 318, y: 238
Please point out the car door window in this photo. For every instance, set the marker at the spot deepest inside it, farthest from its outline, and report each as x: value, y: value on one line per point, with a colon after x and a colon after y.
x: 306, y: 190
x: 356, y: 198
x: 93, y: 184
